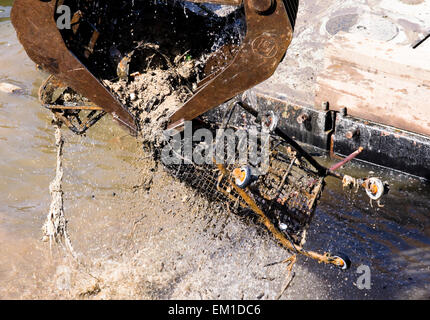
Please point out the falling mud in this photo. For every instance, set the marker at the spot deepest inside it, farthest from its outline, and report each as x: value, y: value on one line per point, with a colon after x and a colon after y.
x: 155, y: 94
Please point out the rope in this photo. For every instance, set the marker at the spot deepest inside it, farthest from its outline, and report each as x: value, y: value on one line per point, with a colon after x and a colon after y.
x: 55, y: 226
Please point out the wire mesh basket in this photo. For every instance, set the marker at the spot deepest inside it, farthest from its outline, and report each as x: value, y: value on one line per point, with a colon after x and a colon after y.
x: 287, y: 192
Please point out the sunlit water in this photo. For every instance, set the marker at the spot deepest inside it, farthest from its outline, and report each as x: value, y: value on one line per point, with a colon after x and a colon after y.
x: 393, y: 241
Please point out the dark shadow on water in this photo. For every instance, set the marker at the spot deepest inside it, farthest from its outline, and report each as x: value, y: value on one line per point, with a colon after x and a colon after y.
x: 394, y: 241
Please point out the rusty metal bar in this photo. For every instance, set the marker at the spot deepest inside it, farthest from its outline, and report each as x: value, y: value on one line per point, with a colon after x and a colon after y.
x: 346, y: 160
x: 63, y: 107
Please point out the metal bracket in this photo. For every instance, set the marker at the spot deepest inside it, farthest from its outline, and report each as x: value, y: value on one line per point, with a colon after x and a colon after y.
x: 71, y: 117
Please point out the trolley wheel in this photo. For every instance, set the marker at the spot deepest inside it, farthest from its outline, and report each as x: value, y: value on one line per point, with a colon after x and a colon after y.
x: 243, y: 176
x: 346, y: 262
x: 375, y: 188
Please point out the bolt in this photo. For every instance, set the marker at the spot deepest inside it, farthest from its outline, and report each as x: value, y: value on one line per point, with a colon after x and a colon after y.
x: 302, y: 118
x: 261, y: 6
x: 353, y: 133
x: 326, y: 106
x: 344, y: 112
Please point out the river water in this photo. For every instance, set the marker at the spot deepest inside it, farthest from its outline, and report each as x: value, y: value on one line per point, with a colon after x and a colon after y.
x: 394, y: 241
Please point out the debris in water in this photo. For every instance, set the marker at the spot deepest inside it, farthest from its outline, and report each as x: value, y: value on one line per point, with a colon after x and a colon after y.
x: 10, y: 88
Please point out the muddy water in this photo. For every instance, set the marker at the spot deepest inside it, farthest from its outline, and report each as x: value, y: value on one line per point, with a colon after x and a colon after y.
x: 108, y: 201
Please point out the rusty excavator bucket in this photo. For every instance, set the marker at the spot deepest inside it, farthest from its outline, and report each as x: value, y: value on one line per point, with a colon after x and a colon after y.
x: 86, y: 44
x: 71, y: 53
